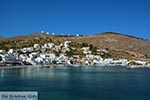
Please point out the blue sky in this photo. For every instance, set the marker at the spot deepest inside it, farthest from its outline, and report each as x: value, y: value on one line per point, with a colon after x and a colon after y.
x: 21, y: 17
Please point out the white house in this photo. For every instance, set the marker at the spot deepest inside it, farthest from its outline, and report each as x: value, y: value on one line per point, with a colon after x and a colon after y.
x: 51, y: 45
x: 61, y: 56
x: 43, y: 55
x: 141, y: 62
x: 11, y: 51
x: 24, y: 50
x: 53, y: 33
x: 29, y: 60
x: 46, y: 55
x: 2, y: 51
x: 9, y: 58
x: 90, y: 56
x: 45, y: 46
x: 36, y: 46
x: 116, y: 62
x: 87, y: 52
x: 124, y: 61
x: 57, y: 47
x: 66, y: 44
x: 28, y: 49
x: 98, y: 57
x: 108, y: 61
x: 77, y: 34
x: 101, y: 50
x: 23, y: 57
x: 52, y: 56
x: 34, y: 54
x: 85, y: 48
x: 47, y: 32
x: 39, y: 59
x: 64, y: 49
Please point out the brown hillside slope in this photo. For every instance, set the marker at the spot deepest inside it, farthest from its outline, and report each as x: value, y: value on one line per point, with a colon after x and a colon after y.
x: 24, y: 41
x: 115, y: 41
x: 1, y: 38
x: 120, y: 46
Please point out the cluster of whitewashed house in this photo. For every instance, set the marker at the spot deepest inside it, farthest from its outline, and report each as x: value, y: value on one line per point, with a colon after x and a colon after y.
x: 36, y: 58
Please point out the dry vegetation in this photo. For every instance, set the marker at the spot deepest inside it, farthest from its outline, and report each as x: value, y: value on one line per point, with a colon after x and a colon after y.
x: 120, y: 46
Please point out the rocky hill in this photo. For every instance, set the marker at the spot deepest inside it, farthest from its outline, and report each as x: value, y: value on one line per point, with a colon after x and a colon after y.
x: 1, y: 38
x: 119, y: 45
x: 116, y: 41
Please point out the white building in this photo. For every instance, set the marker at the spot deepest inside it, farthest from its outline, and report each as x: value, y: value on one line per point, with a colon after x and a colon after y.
x: 85, y: 48
x: 90, y: 56
x: 39, y: 59
x: 99, y: 51
x: 36, y: 46
x: 66, y: 44
x: 45, y: 46
x: 28, y: 49
x: 29, y: 60
x: 51, y: 45
x: 11, y: 51
x: 47, y: 32
x: 23, y: 57
x: 108, y: 61
x: 52, y: 56
x: 9, y: 58
x: 2, y: 51
x: 53, y: 33
x: 77, y: 34
x: 34, y: 55
x: 140, y: 62
x: 49, y: 56
x: 87, y: 52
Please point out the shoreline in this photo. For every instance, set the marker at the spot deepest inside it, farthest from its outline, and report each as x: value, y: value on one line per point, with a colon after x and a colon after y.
x: 8, y: 67
x: 49, y: 66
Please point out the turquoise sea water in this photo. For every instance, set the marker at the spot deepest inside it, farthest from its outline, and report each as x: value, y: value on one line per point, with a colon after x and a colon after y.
x: 85, y: 83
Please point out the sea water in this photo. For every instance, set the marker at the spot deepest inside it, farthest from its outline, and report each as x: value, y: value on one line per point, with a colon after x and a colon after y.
x: 79, y: 83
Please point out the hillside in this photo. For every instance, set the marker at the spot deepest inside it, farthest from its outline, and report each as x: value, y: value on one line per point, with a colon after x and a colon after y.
x: 120, y: 46
x: 116, y: 41
x: 1, y: 38
x: 24, y: 41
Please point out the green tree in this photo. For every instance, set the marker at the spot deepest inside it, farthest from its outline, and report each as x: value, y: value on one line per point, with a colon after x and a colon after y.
x: 20, y: 52
x: 54, y: 62
x: 71, y: 61
x: 70, y: 53
x: 93, y: 49
x: 91, y: 46
x: 41, y: 63
x: 106, y: 55
x: 147, y: 55
x: 84, y: 45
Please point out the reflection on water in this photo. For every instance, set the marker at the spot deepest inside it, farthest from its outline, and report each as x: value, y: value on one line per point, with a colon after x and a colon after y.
x: 2, y: 73
x: 85, y: 83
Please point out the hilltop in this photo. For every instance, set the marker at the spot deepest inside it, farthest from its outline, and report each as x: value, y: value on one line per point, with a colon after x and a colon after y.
x: 116, y: 41
x: 1, y: 38
x: 126, y: 46
x: 119, y: 45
